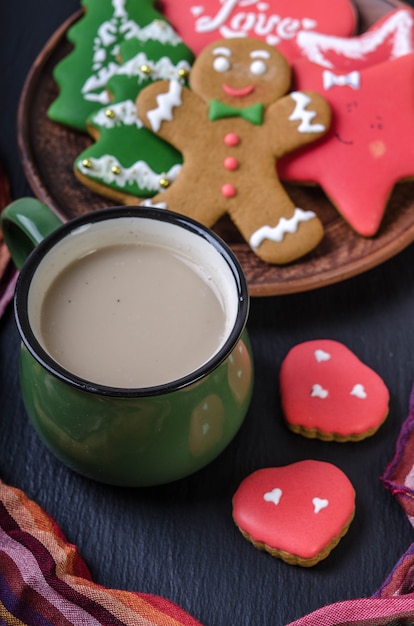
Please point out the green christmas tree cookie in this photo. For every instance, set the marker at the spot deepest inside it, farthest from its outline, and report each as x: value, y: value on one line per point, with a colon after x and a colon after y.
x: 126, y: 160
x: 83, y: 74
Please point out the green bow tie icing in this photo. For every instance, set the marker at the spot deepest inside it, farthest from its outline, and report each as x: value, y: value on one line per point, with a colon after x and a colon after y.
x: 253, y: 113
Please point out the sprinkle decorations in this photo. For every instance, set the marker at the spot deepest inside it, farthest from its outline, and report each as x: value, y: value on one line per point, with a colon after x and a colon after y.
x: 144, y: 165
x: 106, y: 168
x: 83, y: 74
x: 329, y: 394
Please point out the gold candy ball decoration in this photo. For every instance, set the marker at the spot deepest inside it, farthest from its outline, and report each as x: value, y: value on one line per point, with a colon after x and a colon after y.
x: 145, y: 69
x: 164, y: 182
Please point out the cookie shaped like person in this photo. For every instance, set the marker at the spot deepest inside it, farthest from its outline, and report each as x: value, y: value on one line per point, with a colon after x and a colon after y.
x: 231, y: 127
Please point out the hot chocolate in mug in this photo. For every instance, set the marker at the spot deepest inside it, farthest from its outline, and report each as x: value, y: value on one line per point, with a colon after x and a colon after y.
x: 135, y: 365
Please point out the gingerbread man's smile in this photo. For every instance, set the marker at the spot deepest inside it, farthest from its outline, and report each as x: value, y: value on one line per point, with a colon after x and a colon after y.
x: 237, y: 93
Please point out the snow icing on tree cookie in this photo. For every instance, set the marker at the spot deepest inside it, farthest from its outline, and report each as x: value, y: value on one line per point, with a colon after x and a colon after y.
x: 231, y: 128
x: 83, y: 74
x: 127, y: 160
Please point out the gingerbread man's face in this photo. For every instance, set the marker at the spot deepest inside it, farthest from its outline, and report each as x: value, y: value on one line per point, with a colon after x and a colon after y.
x: 240, y: 72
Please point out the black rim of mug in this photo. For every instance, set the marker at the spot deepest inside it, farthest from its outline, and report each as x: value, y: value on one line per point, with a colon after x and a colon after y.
x: 45, y: 360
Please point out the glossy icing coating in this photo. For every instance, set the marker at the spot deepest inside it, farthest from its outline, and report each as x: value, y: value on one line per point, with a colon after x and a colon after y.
x: 231, y: 126
x: 328, y: 393
x: 145, y: 163
x: 83, y: 74
x: 276, y: 22
x: 296, y: 512
x: 357, y: 76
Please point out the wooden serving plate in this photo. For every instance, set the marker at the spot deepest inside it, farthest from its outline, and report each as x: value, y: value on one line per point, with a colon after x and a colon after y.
x: 48, y: 151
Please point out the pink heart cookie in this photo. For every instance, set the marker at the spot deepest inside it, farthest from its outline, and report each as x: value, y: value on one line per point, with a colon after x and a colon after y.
x: 328, y: 393
x: 273, y: 21
x: 297, y: 512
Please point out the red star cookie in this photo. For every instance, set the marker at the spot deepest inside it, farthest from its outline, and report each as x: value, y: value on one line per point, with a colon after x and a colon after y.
x: 328, y: 393
x: 369, y: 146
x: 273, y: 21
x: 389, y: 38
x: 298, y: 512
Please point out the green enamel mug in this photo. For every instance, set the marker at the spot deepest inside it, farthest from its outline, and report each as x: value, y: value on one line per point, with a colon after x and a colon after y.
x: 135, y: 366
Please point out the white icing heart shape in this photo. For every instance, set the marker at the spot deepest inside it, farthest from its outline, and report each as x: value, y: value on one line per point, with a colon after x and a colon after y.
x: 319, y: 504
x: 319, y: 392
x: 196, y: 11
x: 321, y: 355
x: 273, y: 496
x: 358, y: 391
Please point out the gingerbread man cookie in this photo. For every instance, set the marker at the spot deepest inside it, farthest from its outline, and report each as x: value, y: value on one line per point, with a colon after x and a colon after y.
x: 231, y: 128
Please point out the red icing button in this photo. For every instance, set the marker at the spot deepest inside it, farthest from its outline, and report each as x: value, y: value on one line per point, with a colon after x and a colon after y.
x: 228, y: 190
x: 231, y: 139
x: 230, y: 163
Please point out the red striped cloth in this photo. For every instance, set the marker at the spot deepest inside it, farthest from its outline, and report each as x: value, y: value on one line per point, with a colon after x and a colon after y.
x: 393, y: 603
x: 45, y: 582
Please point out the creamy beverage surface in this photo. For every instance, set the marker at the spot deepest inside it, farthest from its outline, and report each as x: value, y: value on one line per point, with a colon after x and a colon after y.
x: 132, y: 316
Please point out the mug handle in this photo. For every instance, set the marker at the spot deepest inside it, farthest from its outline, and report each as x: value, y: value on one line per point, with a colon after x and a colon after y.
x: 24, y: 223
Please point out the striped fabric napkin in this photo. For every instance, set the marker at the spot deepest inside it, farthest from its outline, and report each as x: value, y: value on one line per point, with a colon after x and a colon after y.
x: 45, y: 582
x: 393, y: 603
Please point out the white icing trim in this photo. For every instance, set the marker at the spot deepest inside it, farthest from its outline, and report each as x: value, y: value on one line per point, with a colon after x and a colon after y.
x: 222, y: 50
x: 162, y: 69
x: 153, y: 205
x: 329, y: 79
x: 273, y: 496
x: 119, y: 8
x: 315, y: 45
x: 284, y: 226
x: 319, y: 504
x: 107, y: 35
x: 304, y: 115
x: 125, y: 113
x: 319, y: 392
x: 359, y: 391
x: 259, y: 22
x: 260, y: 54
x: 139, y: 173
x: 166, y: 102
x: 321, y: 355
